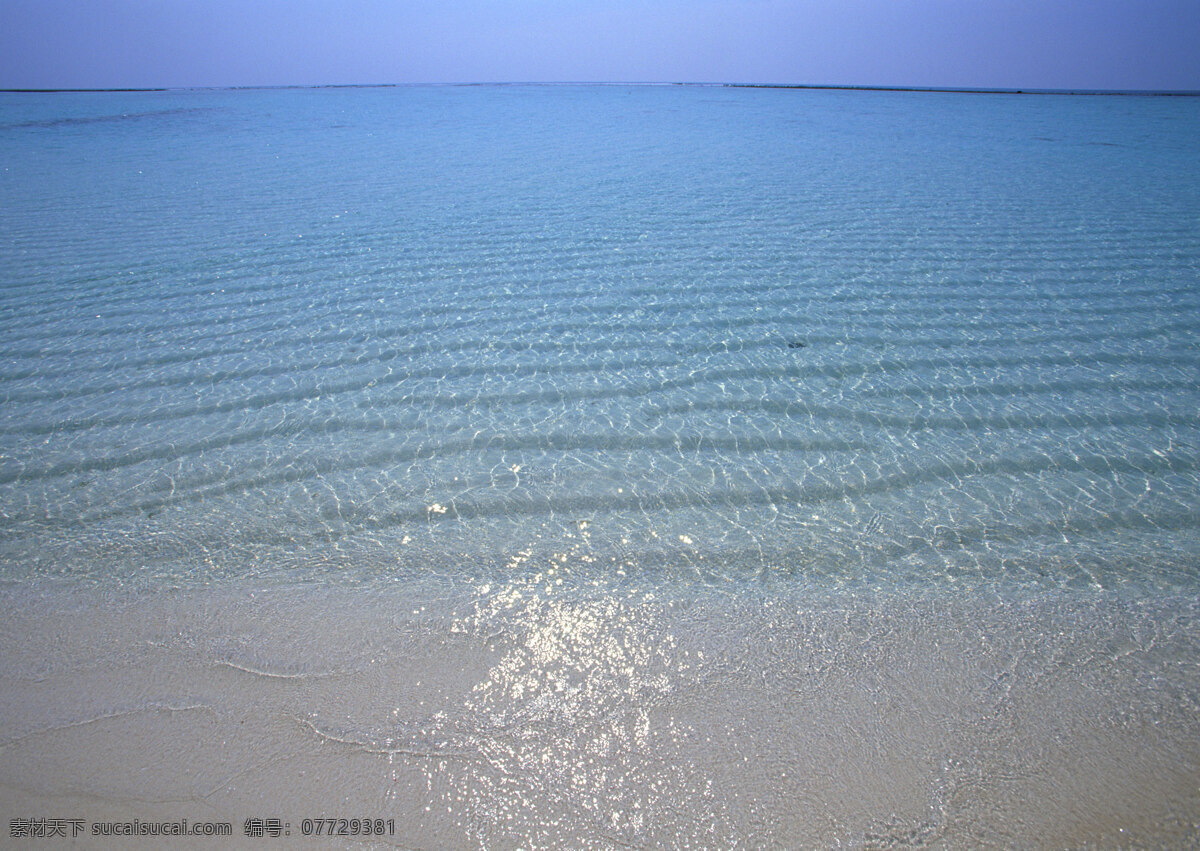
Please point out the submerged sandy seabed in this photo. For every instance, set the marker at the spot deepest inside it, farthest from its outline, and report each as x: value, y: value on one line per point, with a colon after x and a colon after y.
x: 523, y: 715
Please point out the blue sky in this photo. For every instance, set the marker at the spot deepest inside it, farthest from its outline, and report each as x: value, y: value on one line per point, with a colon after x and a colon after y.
x: 1091, y: 44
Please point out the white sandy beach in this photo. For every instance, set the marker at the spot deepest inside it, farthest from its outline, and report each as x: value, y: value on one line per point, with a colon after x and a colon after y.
x: 521, y: 717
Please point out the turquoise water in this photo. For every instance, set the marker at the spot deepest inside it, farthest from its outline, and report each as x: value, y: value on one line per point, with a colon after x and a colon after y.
x: 703, y: 334
x: 604, y: 467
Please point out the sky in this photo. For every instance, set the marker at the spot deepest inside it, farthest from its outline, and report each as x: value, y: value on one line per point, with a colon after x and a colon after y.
x: 1047, y: 44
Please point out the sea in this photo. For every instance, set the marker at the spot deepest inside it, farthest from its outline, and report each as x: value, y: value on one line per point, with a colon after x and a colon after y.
x: 690, y: 398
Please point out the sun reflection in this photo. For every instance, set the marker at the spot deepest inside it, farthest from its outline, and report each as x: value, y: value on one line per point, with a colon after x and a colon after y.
x: 565, y: 722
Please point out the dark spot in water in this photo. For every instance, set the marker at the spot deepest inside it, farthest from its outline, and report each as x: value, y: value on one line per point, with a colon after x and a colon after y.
x: 796, y: 344
x: 96, y: 119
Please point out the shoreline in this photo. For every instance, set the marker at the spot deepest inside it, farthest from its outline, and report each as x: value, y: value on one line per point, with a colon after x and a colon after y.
x: 513, y: 713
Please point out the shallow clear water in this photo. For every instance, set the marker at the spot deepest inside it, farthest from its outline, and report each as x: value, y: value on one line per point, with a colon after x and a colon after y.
x: 604, y: 466
x: 830, y: 337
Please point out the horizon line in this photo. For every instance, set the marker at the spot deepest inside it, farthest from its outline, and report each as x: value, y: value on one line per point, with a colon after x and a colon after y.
x: 798, y: 86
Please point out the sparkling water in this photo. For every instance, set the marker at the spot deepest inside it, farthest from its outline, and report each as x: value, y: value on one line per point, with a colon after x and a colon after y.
x: 562, y: 466
x: 714, y: 333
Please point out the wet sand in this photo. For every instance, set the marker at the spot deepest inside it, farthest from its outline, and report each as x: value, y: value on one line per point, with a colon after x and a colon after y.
x: 528, y: 716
